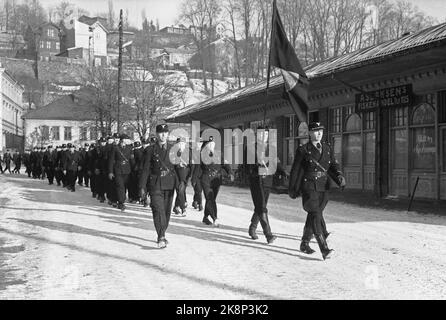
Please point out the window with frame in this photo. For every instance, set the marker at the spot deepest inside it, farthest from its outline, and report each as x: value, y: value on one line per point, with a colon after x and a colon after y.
x: 57, y: 46
x: 353, y: 141
x: 42, y: 45
x: 67, y: 133
x: 423, y: 144
x: 55, y: 133
x: 336, y: 120
x: 292, y: 128
x: 83, y: 133
x: 48, y: 44
x: 399, y: 117
x: 369, y: 120
x: 93, y: 133
x: 45, y: 133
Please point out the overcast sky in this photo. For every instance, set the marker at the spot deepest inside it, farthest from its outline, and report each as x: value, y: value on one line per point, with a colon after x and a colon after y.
x: 167, y: 11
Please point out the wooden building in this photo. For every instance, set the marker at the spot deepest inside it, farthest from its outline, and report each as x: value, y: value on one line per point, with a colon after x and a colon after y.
x: 384, y: 108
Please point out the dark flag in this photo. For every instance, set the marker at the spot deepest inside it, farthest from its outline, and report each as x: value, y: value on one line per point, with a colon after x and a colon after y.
x: 283, y: 56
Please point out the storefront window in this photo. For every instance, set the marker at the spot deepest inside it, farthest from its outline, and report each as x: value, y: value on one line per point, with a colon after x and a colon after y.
x: 353, y: 142
x: 336, y: 120
x: 290, y: 151
x: 353, y: 150
x: 370, y: 120
x: 423, y: 114
x: 423, y: 150
x: 399, y: 117
x: 399, y: 147
x: 423, y: 138
x: 353, y: 123
x: 369, y: 148
x: 303, y: 132
x: 293, y: 131
x: 337, y: 147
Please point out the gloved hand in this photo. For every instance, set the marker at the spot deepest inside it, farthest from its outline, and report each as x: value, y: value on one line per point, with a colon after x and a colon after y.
x: 79, y: 168
x: 231, y: 176
x: 65, y: 172
x: 111, y: 176
x: 97, y: 172
x: 142, y: 193
x: 292, y: 194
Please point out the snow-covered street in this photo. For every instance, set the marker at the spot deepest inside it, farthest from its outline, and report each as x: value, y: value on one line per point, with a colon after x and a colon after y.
x: 55, y: 244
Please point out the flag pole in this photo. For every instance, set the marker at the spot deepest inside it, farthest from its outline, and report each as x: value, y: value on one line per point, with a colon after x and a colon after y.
x: 270, y: 45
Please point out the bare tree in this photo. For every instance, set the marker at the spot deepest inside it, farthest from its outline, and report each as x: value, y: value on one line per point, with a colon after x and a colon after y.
x: 231, y: 9
x: 111, y: 15
x: 150, y: 94
x: 103, y: 83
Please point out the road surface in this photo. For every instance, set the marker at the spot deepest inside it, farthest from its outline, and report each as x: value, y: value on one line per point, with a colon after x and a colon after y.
x: 56, y: 244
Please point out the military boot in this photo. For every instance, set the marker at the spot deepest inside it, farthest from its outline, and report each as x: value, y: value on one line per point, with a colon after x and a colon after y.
x: 326, y: 252
x: 252, y: 231
x: 305, y: 247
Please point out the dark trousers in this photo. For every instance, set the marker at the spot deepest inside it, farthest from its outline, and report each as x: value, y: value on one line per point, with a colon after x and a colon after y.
x: 8, y: 167
x: 198, y: 190
x: 211, y: 186
x: 86, y: 177
x: 94, y: 183
x: 121, y: 184
x: 133, y: 186
x: 71, y: 179
x: 111, y: 190
x: 80, y: 177
x: 98, y: 183
x: 58, y: 173
x: 17, y: 168
x: 260, y: 194
x: 50, y: 174
x: 37, y: 171
x: 28, y: 170
x: 161, y: 204
x: 314, y: 203
x: 180, y: 200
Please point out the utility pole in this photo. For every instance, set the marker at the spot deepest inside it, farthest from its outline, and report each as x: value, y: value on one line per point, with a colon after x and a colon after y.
x: 119, y: 71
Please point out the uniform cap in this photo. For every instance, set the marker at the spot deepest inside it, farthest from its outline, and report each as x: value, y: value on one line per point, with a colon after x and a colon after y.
x: 162, y: 128
x: 137, y: 144
x: 102, y: 139
x: 314, y: 126
x: 115, y: 136
x: 70, y: 145
x: 86, y: 145
x: 64, y: 146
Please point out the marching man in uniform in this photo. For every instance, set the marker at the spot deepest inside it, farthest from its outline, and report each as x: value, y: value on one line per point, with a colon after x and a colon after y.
x: 261, y: 184
x: 162, y: 181
x: 314, y: 165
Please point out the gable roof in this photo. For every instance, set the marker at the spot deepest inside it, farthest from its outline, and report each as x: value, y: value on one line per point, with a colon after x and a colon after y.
x: 71, y: 107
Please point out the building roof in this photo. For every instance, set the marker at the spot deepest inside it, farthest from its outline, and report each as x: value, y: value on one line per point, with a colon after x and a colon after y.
x: 419, y: 41
x: 91, y: 20
x: 71, y: 107
x: 7, y: 36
